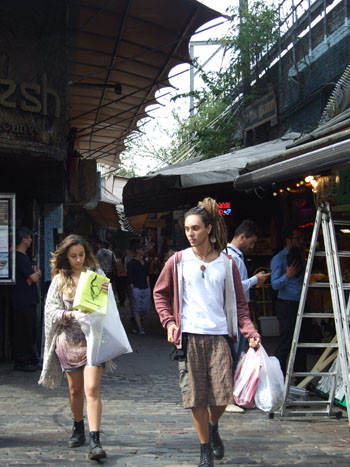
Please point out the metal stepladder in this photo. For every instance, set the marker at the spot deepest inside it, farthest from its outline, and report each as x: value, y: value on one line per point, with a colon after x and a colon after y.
x: 340, y: 314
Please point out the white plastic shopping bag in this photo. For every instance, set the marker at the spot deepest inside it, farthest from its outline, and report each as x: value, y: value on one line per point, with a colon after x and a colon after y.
x: 246, y: 378
x: 105, y: 335
x: 269, y: 392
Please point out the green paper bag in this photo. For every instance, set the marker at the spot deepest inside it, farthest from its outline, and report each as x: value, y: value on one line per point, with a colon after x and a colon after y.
x: 89, y: 297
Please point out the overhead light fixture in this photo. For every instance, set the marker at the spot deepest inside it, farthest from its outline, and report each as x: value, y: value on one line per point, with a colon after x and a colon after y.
x: 313, y: 182
x: 346, y: 231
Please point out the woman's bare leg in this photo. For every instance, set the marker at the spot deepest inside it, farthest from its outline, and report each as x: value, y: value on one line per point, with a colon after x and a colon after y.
x: 76, y: 393
x: 92, y: 380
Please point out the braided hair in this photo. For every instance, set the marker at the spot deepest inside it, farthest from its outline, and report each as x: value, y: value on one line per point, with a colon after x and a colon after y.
x: 208, y: 210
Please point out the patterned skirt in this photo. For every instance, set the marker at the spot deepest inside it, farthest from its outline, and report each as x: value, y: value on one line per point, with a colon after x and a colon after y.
x: 206, y: 377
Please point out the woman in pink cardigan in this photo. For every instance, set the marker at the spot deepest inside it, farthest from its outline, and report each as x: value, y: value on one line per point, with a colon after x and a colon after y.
x: 207, y: 307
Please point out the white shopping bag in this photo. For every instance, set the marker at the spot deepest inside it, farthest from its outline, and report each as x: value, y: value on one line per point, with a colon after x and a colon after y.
x: 105, y: 335
x: 269, y: 392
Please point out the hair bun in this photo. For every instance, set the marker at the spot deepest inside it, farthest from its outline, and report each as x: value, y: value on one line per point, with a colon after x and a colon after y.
x: 211, y: 206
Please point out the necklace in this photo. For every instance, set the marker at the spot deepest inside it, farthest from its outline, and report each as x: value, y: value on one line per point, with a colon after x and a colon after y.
x: 203, y: 258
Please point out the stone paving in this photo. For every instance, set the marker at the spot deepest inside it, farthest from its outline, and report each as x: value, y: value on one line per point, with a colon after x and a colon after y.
x: 144, y: 424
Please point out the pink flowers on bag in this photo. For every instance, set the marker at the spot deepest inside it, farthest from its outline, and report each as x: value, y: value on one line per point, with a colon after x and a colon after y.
x: 246, y: 378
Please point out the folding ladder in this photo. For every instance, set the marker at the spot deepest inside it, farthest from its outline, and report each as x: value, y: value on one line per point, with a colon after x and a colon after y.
x: 340, y: 314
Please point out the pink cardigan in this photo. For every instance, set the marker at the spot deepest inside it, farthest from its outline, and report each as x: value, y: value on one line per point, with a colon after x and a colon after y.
x: 167, y: 287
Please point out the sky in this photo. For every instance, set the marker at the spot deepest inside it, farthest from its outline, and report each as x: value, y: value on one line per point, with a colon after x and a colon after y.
x: 158, y: 129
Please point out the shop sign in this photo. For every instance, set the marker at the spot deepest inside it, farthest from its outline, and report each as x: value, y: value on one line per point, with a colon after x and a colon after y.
x: 7, y: 238
x: 30, y: 111
x: 261, y: 111
x: 343, y: 188
x: 225, y: 208
x: 29, y: 96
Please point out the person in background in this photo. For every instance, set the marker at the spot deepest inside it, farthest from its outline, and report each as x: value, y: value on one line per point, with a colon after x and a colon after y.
x: 24, y: 300
x: 287, y: 280
x: 154, y: 270
x: 208, y: 301
x: 106, y: 259
x: 243, y: 243
x: 121, y: 281
x: 128, y: 256
x: 138, y: 280
x: 65, y: 343
x: 169, y: 252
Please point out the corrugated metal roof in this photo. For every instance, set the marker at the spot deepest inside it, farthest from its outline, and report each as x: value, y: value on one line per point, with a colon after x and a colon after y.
x: 225, y: 168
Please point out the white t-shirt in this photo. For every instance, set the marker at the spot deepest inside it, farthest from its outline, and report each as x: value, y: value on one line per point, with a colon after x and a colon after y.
x: 203, y: 297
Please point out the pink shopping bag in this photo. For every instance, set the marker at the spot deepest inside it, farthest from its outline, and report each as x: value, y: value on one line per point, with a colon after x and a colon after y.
x: 246, y: 378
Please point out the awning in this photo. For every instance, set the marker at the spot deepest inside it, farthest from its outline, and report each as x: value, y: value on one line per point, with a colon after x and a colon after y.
x: 326, y: 147
x: 314, y: 162
x: 105, y: 214
x: 121, y: 53
x: 164, y: 189
x: 104, y: 211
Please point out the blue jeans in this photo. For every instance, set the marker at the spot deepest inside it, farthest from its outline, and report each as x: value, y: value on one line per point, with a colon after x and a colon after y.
x: 141, y: 300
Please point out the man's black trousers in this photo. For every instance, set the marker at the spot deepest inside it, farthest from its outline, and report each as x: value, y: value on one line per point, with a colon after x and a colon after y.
x: 24, y: 336
x: 286, y: 313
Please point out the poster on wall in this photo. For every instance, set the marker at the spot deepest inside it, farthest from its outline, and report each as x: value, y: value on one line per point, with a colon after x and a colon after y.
x: 7, y: 238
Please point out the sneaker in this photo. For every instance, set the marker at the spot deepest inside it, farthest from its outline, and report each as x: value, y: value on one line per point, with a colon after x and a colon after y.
x: 142, y: 332
x: 233, y: 408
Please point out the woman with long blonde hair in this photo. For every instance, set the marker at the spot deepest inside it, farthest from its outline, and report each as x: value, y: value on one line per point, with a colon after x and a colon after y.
x: 65, y: 344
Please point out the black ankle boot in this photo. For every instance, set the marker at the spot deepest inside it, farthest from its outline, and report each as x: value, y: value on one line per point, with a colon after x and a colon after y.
x: 206, y: 459
x: 96, y: 451
x: 78, y: 435
x: 215, y: 441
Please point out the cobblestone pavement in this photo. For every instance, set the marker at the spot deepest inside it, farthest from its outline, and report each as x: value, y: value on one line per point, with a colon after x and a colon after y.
x: 144, y: 423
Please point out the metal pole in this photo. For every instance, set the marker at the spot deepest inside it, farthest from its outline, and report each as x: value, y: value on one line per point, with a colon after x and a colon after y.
x: 243, y: 7
x: 309, y: 18
x: 191, y: 78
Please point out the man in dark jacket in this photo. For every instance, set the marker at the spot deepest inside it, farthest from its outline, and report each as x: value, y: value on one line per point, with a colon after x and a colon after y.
x: 24, y: 301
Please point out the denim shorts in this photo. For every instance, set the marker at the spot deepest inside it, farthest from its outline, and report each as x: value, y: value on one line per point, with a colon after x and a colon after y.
x: 71, y: 370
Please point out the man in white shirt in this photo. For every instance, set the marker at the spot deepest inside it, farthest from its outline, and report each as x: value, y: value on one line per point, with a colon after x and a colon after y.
x: 243, y: 242
x: 207, y: 307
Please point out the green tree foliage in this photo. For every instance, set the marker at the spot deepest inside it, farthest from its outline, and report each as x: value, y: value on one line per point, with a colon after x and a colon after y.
x: 214, y: 128
x: 143, y: 151
x: 210, y: 130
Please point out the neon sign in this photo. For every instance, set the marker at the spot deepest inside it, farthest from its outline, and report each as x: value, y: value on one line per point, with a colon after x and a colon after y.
x: 225, y: 208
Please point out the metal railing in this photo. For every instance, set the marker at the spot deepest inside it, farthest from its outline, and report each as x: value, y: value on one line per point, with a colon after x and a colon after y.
x: 297, y: 18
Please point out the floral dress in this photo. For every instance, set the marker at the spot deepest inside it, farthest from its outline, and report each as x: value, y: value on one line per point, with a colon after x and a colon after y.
x: 70, y: 342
